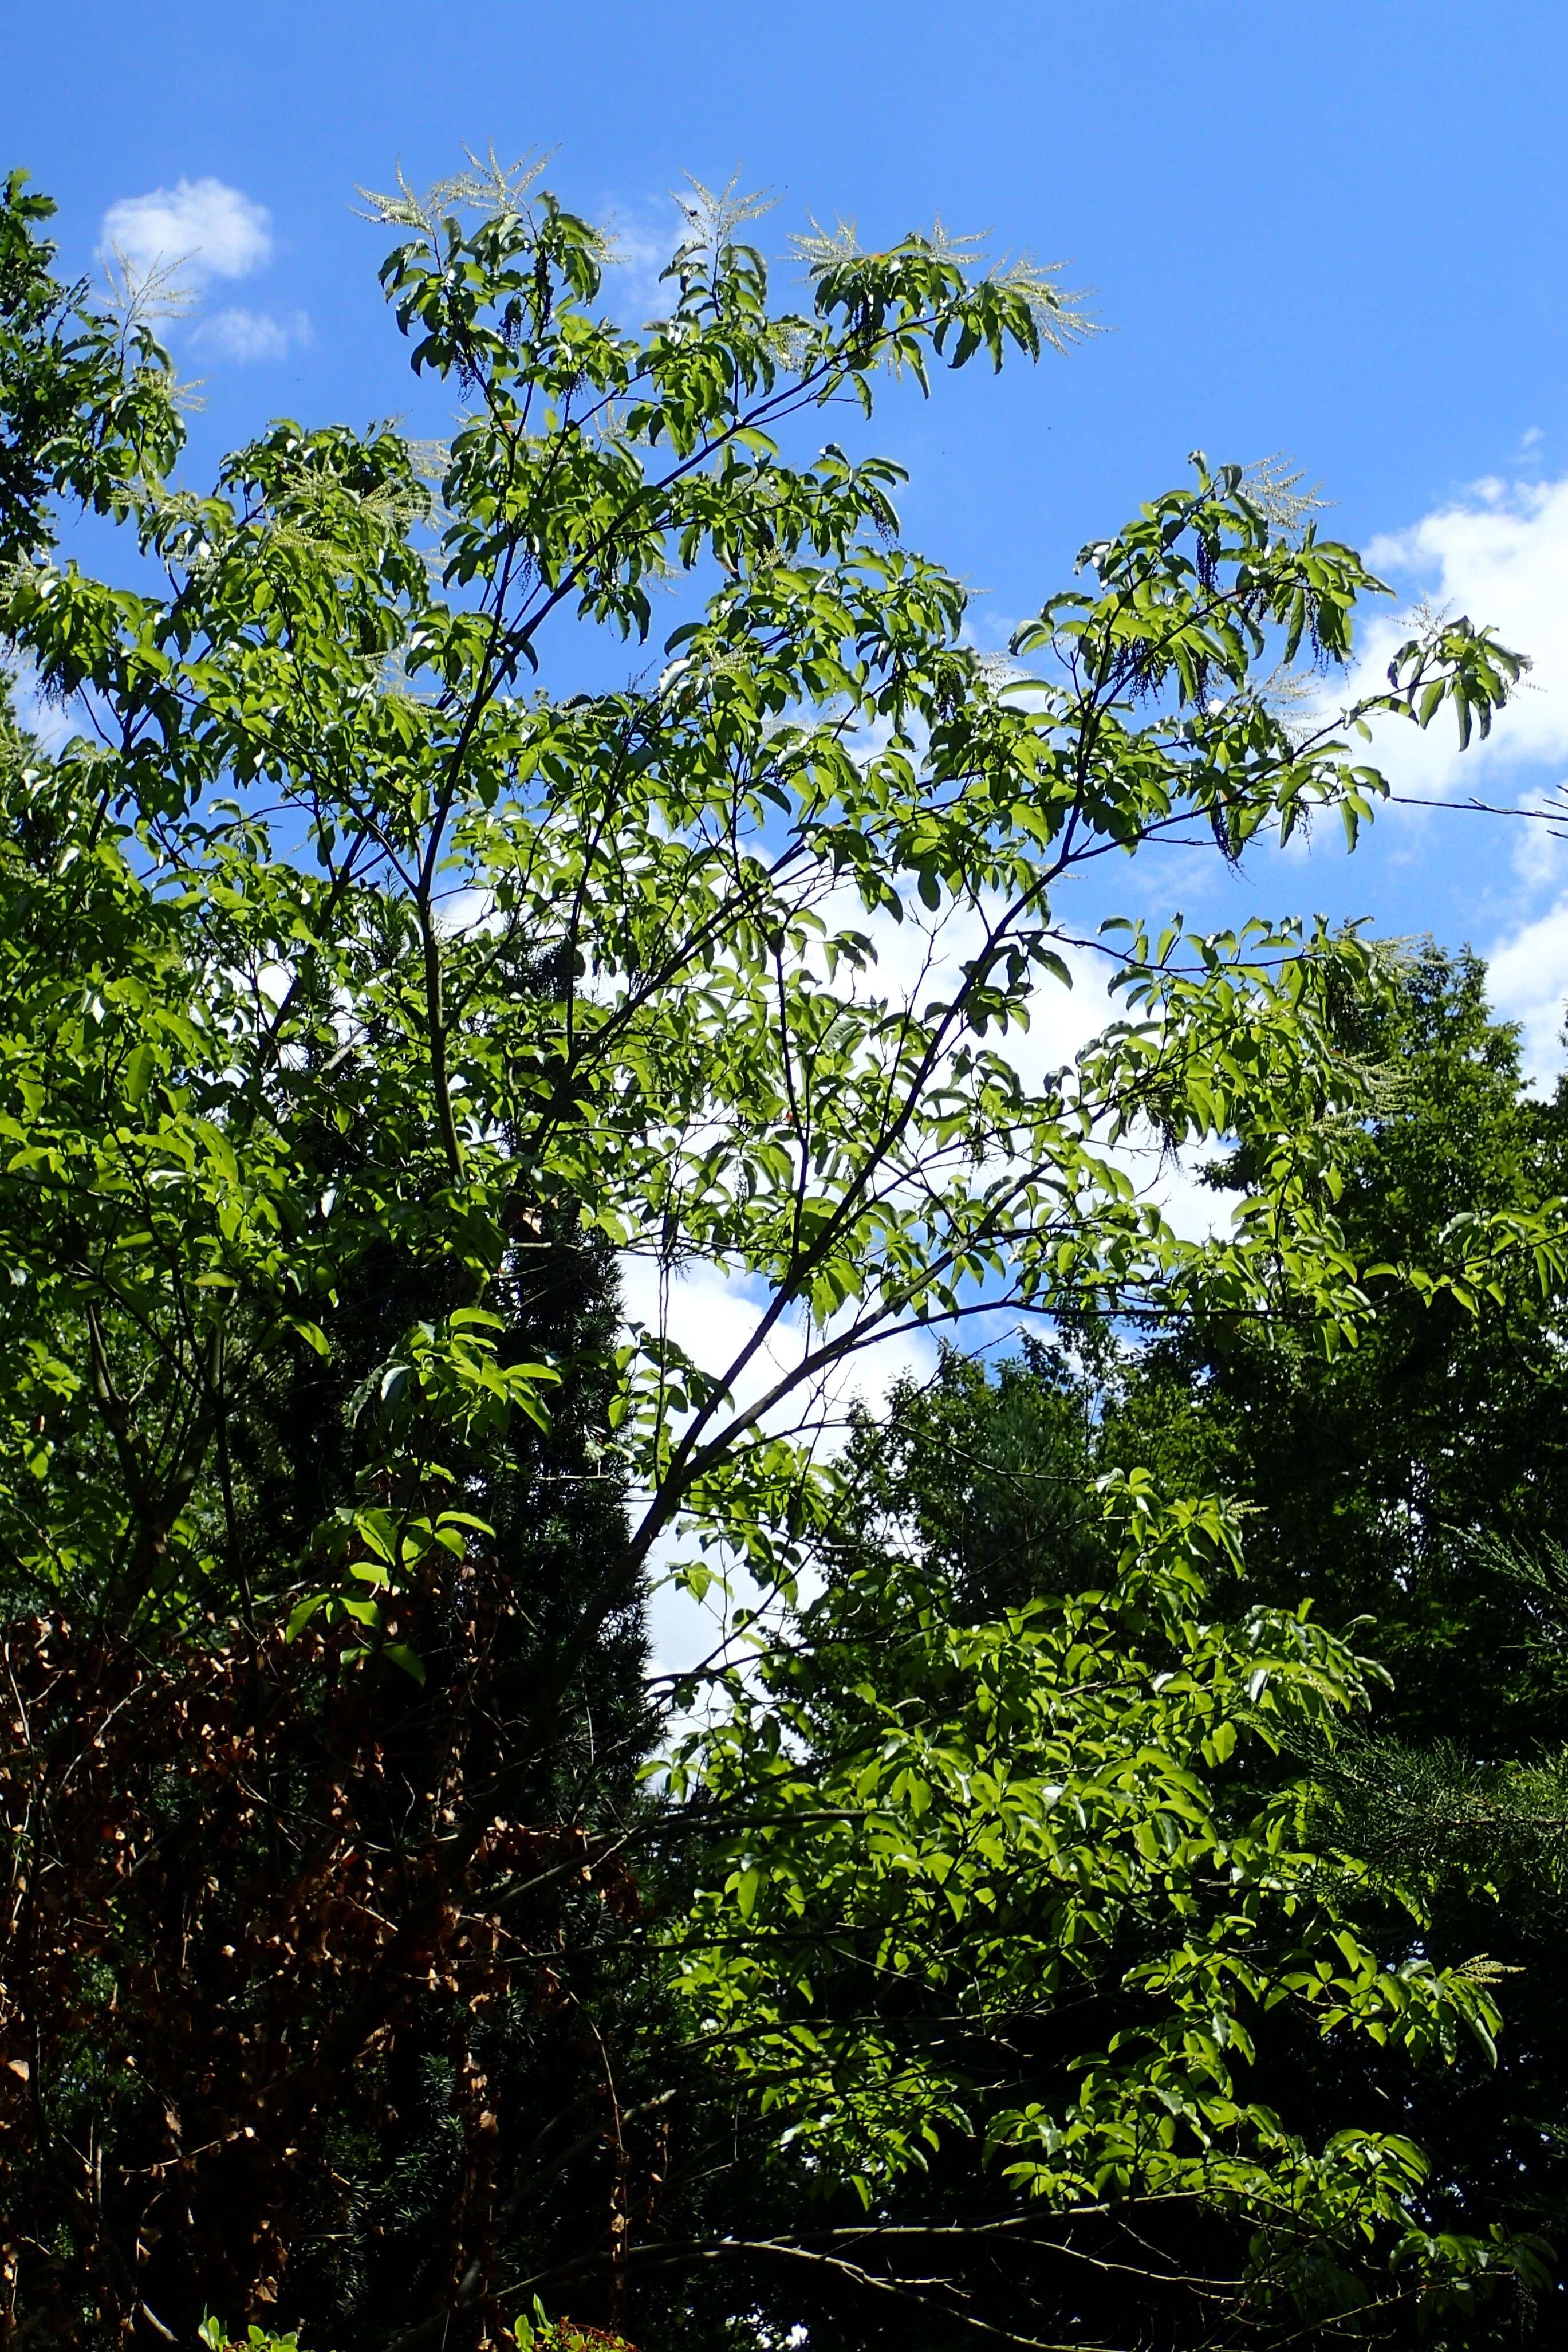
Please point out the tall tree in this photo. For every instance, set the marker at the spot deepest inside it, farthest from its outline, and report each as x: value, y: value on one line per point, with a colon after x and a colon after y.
x: 355, y: 1004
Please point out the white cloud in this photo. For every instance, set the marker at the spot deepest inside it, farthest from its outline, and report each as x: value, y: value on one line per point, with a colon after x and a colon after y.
x: 1498, y: 554
x: 213, y: 230
x: 246, y: 336
x: 1527, y: 971
x: 50, y: 724
x: 642, y: 240
x: 1538, y: 846
x: 1501, y: 554
x: 920, y: 958
x: 712, y: 1314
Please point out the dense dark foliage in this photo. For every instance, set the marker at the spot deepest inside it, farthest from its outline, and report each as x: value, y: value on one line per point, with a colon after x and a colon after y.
x: 1371, y: 1477
x: 309, y: 1966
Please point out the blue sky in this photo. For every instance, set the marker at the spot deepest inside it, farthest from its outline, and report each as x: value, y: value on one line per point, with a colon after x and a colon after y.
x: 1336, y: 229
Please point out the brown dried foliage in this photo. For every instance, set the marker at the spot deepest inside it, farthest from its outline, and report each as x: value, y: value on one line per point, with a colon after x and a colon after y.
x: 251, y: 1895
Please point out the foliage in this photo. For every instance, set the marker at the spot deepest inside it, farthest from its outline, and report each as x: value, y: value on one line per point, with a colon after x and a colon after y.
x: 88, y: 404
x: 1022, y: 1881
x: 1408, y: 1483
x: 561, y: 2335
x: 358, y: 999
x: 1412, y: 1484
x: 547, y: 2335
x: 1373, y: 1478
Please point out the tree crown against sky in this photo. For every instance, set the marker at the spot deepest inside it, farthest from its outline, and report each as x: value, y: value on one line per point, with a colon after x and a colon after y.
x: 698, y: 861
x: 1441, y: 449
x: 333, y: 934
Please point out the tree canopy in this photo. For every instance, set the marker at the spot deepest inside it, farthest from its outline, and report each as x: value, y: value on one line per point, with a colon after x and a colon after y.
x: 367, y: 1006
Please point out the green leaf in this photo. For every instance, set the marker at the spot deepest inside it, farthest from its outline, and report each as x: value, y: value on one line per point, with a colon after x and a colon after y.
x: 140, y: 1064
